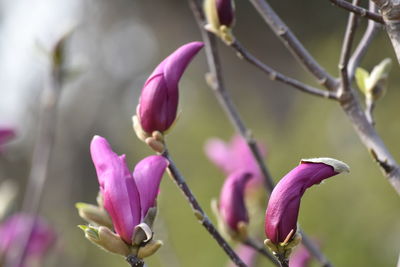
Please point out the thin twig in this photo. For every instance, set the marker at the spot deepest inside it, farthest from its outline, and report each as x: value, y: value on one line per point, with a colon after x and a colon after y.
x: 314, y: 250
x: 226, y: 102
x: 282, y: 31
x: 350, y: 104
x: 217, y: 84
x: 134, y: 261
x: 274, y: 75
x: 365, y: 42
x: 261, y: 249
x: 199, y: 212
x: 41, y: 153
x: 346, y: 51
x: 359, y: 11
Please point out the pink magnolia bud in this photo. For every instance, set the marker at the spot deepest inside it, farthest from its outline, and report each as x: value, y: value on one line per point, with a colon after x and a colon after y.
x: 127, y: 197
x: 232, y: 206
x: 159, y: 99
x: 247, y: 254
x: 234, y: 155
x: 40, y: 241
x: 300, y: 257
x: 284, y: 203
x: 226, y: 12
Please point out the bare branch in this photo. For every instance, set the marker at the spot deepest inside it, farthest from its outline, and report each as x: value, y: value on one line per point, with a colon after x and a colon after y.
x: 390, y: 10
x: 275, y: 75
x: 217, y: 84
x: 366, y: 40
x: 293, y: 44
x: 359, y: 11
x: 199, y: 212
x: 261, y: 249
x: 346, y: 50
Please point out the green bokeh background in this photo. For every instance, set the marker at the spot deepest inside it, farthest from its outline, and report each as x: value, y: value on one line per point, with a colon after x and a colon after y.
x: 354, y: 216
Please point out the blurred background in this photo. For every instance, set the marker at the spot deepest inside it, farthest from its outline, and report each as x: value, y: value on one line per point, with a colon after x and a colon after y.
x: 115, y: 47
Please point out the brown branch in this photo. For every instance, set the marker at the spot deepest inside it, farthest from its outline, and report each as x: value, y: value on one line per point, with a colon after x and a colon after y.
x: 275, y: 75
x: 390, y: 10
x: 261, y: 249
x: 217, y: 84
x: 350, y: 104
x: 293, y: 44
x: 359, y: 11
x: 346, y: 51
x: 199, y: 212
x: 223, y: 97
x: 365, y: 42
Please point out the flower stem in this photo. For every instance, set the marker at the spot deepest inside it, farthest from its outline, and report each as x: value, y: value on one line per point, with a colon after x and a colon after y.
x: 134, y: 261
x: 199, y: 212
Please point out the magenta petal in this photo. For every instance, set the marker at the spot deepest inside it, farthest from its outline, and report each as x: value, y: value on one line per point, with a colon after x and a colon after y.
x: 147, y: 175
x: 158, y: 102
x: 300, y: 257
x: 232, y: 206
x: 234, y: 155
x: 176, y: 63
x: 120, y: 195
x: 284, y: 202
x: 153, y: 109
x: 39, y: 242
x: 226, y: 12
x: 219, y: 153
x: 247, y: 254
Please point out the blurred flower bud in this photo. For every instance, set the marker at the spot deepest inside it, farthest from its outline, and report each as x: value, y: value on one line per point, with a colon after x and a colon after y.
x: 284, y: 203
x: 128, y: 197
x: 300, y: 257
x: 247, y: 254
x: 158, y: 102
x: 235, y: 155
x: 220, y: 15
x: 42, y: 237
x: 231, y: 208
x: 373, y: 85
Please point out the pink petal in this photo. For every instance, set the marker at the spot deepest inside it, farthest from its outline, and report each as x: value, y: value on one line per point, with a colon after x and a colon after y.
x: 120, y: 194
x: 284, y: 203
x: 147, y: 175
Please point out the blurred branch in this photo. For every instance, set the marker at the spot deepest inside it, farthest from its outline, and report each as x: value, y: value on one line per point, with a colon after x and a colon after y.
x: 216, y: 82
x: 199, y: 212
x: 287, y: 37
x: 274, y: 75
x: 359, y: 11
x: 349, y: 103
x: 226, y: 102
x: 390, y: 10
x: 42, y: 150
x: 261, y: 249
x: 134, y: 261
x: 366, y: 40
x: 346, y: 50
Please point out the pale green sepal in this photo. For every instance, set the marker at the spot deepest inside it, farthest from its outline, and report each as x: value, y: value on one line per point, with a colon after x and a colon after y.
x: 361, y: 79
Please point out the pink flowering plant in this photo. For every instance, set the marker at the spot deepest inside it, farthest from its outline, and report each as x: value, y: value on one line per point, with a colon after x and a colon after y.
x: 122, y: 221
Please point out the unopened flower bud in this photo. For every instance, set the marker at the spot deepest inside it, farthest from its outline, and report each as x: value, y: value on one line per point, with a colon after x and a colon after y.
x: 232, y: 209
x: 158, y: 102
x: 284, y: 203
x: 220, y: 15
